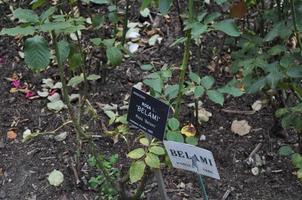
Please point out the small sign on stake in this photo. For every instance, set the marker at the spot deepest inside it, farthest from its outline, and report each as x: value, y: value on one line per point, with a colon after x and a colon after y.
x: 147, y: 113
x: 192, y: 158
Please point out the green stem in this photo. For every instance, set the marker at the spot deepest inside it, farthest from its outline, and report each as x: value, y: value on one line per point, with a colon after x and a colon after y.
x: 183, y: 69
x: 125, y: 25
x: 297, y: 33
x: 142, y: 186
x: 279, y: 10
x: 203, y: 187
x: 78, y: 129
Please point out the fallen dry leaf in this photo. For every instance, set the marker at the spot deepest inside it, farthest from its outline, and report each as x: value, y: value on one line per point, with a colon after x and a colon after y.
x: 203, y: 115
x: 238, y: 9
x: 11, y: 135
x: 13, y: 90
x: 188, y: 130
x: 257, y: 105
x: 240, y: 127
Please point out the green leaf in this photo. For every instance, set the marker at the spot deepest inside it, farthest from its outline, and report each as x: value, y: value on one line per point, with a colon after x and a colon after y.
x: 92, y: 161
x: 146, y: 67
x: 152, y: 160
x: 155, y: 84
x: 49, y: 12
x: 171, y: 91
x: 228, y: 27
x: 137, y: 170
x: 74, y: 60
x: 198, y: 92
x: 175, y: 136
x: 194, y: 77
x: 93, y: 77
x: 144, y: 141
x: 164, y: 6
x: 173, y: 124
x: 297, y: 160
x: 197, y: 29
x: 111, y: 114
x: 295, y: 72
x: 98, y: 21
x: 36, y: 53
x: 54, y: 26
x: 94, y: 182
x: 157, y: 150
x: 235, y: 92
x: 192, y: 140
x: 299, y: 174
x: 274, y: 32
x: 145, y: 4
x: 136, y: 153
x: 108, y: 42
x: 219, y: 2
x: 26, y: 15
x: 285, y: 151
x: 75, y: 81
x: 96, y: 41
x: 207, y: 82
x: 63, y: 51
x: 18, y: 30
x: 114, y: 56
x: 281, y: 111
x: 100, y: 2
x: 258, y: 85
x: 276, y: 50
x: 215, y: 96
x: 37, y: 3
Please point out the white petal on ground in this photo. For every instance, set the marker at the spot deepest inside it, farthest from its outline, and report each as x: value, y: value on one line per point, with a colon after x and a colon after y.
x: 133, y: 47
x: 61, y: 137
x: 257, y: 105
x: 43, y: 93
x: 26, y: 133
x: 133, y: 33
x: 54, y: 97
x: 145, y: 12
x: 47, y: 83
x: 56, y: 105
x: 58, y: 85
x: 255, y: 171
x: 240, y: 127
x: 55, y: 178
x: 203, y: 115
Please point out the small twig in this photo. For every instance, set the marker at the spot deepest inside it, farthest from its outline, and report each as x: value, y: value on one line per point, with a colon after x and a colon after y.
x: 74, y: 171
x: 277, y: 171
x: 245, y: 112
x: 255, y: 150
x: 226, y: 194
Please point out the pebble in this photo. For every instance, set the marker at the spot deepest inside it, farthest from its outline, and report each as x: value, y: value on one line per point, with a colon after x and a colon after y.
x: 255, y: 171
x: 2, y: 145
x: 2, y: 194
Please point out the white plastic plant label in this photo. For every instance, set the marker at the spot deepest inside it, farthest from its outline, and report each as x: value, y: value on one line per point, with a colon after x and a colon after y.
x: 192, y: 158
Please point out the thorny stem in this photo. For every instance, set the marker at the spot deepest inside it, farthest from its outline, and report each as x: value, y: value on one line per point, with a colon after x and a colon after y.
x: 78, y: 129
x: 184, y: 64
x: 297, y: 34
x: 279, y: 9
x: 142, y: 185
x: 176, y: 2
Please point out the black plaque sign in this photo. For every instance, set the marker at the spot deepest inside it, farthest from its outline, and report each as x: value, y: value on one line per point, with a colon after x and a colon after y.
x: 147, y: 113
